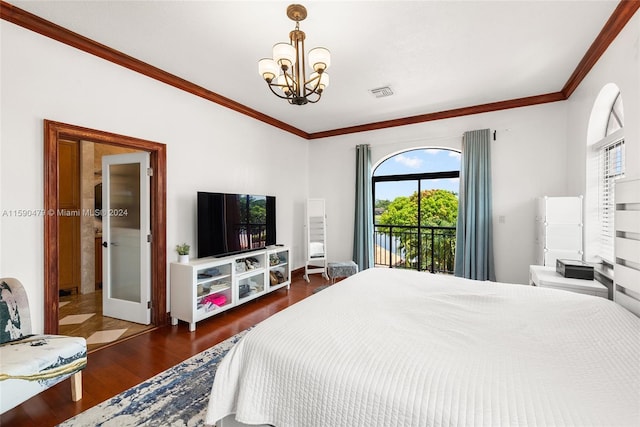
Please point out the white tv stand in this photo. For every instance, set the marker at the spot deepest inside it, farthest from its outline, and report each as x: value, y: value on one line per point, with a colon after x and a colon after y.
x: 205, y: 287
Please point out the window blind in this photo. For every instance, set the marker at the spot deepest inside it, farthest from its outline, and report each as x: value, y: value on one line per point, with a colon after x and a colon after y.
x: 611, y: 167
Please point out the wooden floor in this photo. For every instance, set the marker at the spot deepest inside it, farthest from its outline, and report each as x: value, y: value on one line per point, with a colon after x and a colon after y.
x: 113, y: 369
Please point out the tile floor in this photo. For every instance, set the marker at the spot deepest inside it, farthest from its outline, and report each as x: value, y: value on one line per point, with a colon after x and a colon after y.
x: 81, y: 315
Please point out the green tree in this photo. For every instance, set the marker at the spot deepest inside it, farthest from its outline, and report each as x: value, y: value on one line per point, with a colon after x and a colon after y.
x: 402, y: 211
x: 382, y: 203
x: 438, y: 208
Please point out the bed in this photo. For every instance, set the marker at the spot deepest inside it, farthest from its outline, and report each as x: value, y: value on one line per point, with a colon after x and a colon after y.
x: 390, y: 347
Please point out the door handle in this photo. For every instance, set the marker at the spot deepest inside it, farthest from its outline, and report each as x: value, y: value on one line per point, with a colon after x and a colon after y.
x: 105, y: 244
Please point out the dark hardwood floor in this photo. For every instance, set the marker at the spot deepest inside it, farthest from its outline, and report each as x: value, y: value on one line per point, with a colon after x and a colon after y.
x: 113, y: 369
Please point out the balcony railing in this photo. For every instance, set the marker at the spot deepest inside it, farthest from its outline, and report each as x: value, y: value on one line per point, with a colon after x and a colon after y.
x: 415, y: 247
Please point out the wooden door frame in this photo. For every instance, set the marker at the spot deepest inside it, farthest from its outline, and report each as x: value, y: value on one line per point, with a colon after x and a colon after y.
x: 53, y: 133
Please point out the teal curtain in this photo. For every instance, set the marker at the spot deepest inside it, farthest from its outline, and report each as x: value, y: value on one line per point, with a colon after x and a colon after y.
x: 474, y: 233
x: 363, y: 225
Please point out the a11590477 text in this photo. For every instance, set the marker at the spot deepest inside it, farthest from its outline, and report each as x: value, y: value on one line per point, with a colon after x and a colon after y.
x: 26, y: 213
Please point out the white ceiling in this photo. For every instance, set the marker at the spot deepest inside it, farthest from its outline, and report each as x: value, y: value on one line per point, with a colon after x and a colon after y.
x: 435, y: 55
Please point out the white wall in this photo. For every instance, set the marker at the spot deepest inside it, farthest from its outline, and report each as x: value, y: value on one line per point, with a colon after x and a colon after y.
x: 528, y: 161
x: 620, y: 64
x: 208, y: 147
x: 540, y: 150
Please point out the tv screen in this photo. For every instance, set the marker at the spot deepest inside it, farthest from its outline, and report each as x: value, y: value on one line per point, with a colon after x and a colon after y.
x: 234, y: 223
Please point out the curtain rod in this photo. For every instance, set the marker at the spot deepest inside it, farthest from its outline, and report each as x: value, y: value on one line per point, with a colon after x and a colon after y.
x: 435, y: 138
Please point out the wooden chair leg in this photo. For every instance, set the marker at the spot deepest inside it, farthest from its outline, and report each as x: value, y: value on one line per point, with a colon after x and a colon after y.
x: 76, y: 386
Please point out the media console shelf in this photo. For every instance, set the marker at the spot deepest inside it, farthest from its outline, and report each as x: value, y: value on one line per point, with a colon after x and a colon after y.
x: 207, y: 286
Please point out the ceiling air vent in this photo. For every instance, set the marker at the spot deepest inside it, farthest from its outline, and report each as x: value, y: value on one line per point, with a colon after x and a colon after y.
x: 381, y: 92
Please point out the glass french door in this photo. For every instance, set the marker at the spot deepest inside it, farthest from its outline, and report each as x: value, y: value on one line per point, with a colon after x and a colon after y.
x: 126, y: 243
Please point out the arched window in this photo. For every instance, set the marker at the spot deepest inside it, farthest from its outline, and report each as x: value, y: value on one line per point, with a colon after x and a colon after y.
x: 616, y: 116
x: 415, y: 197
x: 606, y: 163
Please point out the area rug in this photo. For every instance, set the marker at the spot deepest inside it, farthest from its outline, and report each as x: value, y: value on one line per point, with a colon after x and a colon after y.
x: 320, y: 288
x: 176, y: 397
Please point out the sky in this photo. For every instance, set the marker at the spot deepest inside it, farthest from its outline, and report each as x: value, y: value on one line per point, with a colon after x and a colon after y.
x: 417, y: 161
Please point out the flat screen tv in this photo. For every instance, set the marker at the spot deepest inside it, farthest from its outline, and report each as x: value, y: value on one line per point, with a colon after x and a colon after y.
x: 234, y: 223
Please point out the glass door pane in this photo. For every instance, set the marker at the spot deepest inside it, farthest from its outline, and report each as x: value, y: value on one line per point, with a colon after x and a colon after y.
x: 125, y: 232
x: 395, y: 222
x: 438, y: 218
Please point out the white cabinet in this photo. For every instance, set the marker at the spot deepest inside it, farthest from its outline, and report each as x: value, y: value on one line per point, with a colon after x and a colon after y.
x: 208, y: 286
x: 558, y: 229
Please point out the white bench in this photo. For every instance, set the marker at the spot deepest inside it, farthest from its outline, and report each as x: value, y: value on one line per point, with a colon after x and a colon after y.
x: 337, y: 270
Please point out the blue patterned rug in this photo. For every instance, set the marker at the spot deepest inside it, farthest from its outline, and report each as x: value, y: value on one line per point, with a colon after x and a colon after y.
x: 175, y: 397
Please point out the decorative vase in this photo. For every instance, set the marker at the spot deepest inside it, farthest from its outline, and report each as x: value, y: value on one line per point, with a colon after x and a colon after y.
x: 183, y: 259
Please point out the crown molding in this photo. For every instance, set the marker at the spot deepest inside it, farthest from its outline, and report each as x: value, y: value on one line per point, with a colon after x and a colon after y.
x: 46, y: 28
x: 447, y: 114
x: 619, y: 18
x: 616, y: 22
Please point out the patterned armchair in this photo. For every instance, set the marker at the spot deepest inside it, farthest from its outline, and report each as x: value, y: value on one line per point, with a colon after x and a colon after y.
x: 31, y: 363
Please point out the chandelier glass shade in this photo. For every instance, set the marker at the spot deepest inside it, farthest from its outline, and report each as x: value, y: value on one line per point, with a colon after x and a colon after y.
x: 285, y: 72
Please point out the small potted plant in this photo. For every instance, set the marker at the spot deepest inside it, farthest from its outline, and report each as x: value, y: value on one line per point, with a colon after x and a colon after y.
x: 183, y: 253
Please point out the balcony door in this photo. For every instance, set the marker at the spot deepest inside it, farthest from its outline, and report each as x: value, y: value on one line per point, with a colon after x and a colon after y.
x: 415, y: 197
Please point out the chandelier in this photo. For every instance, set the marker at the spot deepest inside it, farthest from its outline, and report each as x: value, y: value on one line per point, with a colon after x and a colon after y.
x: 285, y: 73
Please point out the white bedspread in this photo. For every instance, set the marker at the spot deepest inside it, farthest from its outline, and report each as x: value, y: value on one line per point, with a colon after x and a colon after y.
x: 391, y: 348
